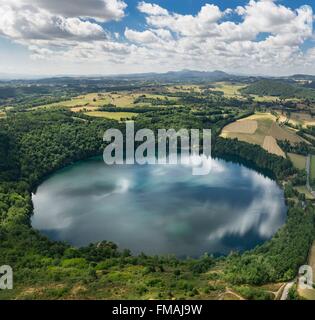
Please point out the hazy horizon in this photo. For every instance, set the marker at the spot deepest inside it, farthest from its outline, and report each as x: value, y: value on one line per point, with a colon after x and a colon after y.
x: 13, y: 76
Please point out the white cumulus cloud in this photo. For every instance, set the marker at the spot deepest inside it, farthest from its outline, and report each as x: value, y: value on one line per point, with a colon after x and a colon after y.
x: 266, y: 37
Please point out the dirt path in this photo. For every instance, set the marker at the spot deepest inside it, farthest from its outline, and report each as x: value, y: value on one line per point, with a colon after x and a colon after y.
x: 286, y: 289
x: 230, y: 292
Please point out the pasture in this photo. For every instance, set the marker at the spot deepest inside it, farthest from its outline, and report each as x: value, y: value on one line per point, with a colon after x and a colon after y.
x: 312, y: 173
x: 111, y: 115
x: 92, y: 101
x: 230, y: 90
x: 233, y: 90
x: 303, y: 119
x: 264, y: 98
x: 184, y: 88
x: 303, y: 189
x: 298, y: 161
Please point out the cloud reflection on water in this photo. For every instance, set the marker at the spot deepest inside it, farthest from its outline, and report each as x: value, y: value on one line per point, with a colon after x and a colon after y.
x: 160, y: 209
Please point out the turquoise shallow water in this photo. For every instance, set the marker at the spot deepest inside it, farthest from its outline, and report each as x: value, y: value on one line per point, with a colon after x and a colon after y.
x: 160, y: 209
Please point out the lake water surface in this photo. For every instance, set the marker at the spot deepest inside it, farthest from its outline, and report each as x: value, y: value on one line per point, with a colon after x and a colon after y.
x: 160, y: 209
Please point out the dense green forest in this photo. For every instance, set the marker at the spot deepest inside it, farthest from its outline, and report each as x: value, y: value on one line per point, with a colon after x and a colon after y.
x: 35, y: 144
x: 279, y: 89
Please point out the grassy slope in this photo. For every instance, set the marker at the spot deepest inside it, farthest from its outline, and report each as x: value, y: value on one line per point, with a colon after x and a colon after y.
x: 93, y: 100
x: 276, y: 88
x: 299, y: 161
x: 111, y: 115
x: 312, y: 167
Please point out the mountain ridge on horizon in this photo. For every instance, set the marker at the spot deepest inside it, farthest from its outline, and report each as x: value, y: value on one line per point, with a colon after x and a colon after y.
x: 171, y: 75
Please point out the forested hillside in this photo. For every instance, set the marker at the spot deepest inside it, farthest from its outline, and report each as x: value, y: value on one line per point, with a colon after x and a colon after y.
x: 37, y: 143
x: 279, y: 89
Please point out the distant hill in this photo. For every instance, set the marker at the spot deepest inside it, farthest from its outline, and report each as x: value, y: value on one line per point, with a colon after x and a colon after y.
x: 310, y: 85
x: 204, y: 75
x: 278, y: 88
x: 180, y: 76
x: 303, y: 77
x: 171, y: 76
x: 271, y: 88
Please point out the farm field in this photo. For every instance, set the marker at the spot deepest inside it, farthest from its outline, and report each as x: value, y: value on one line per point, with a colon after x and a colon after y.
x: 266, y: 133
x: 184, y: 88
x: 303, y: 189
x: 298, y: 119
x: 299, y: 161
x: 311, y: 259
x: 246, y: 126
x: 308, y: 294
x: 230, y: 90
x: 264, y: 98
x: 2, y: 115
x: 84, y: 109
x: 233, y: 90
x: 270, y: 144
x: 111, y: 115
x: 312, y: 173
x: 94, y: 100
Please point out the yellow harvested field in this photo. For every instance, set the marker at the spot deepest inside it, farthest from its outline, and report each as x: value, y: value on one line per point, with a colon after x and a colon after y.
x: 245, y: 126
x: 283, y: 133
x: 111, y: 115
x: 266, y: 134
x: 2, y: 114
x: 270, y: 144
x: 309, y: 123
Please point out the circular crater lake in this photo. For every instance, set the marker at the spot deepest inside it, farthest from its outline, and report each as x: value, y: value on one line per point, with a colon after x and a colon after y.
x: 160, y: 209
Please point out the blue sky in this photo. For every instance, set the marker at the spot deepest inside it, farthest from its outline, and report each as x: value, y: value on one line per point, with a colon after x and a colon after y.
x: 48, y: 37
x: 134, y: 19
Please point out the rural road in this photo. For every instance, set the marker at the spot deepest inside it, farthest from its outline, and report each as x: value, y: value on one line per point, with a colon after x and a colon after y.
x: 286, y: 289
x: 308, y: 169
x: 308, y: 174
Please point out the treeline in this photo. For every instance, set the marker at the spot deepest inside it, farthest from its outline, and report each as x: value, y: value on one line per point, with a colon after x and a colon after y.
x: 48, y: 140
x: 255, y: 155
x: 113, y: 108
x: 301, y: 148
x: 279, y: 89
x: 280, y: 258
x: 155, y: 101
